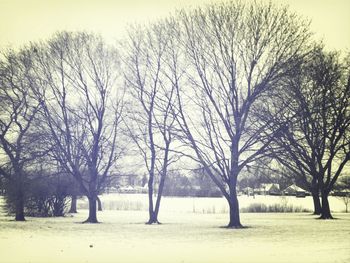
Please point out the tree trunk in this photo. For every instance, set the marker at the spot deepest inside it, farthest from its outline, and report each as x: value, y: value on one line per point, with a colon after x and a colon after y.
x: 315, y: 192
x: 326, y: 212
x: 156, y: 209
x: 161, y: 183
x: 317, y: 204
x: 73, y: 205
x: 150, y: 207
x: 99, y: 204
x: 19, y: 204
x: 235, y: 221
x: 150, y: 200
x: 153, y: 219
x: 18, y: 194
x: 159, y: 197
x: 92, y: 210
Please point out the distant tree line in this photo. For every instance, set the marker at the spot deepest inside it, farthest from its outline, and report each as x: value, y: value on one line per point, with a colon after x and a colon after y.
x: 196, y: 185
x: 227, y: 86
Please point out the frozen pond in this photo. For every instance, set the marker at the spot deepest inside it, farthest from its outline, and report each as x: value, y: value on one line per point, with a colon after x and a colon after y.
x: 205, y: 205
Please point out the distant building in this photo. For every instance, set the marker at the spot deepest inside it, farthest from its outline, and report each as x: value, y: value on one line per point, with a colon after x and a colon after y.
x: 248, y: 191
x: 341, y: 193
x: 269, y: 189
x: 264, y: 189
x: 127, y: 180
x: 295, y: 190
x: 125, y: 183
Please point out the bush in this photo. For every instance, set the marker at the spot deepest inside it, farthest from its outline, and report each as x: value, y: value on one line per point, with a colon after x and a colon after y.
x: 44, y: 196
x: 49, y: 197
x: 125, y: 205
x: 274, y: 208
x: 207, y: 193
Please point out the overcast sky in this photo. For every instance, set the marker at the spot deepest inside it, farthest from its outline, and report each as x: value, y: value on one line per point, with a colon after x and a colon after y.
x: 22, y: 21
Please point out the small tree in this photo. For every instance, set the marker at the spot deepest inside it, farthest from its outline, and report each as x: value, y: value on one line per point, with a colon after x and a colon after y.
x: 344, y: 187
x: 151, y: 117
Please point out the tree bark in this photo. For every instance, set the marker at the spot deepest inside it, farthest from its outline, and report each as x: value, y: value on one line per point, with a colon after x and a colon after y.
x: 19, y: 205
x: 161, y: 184
x: 326, y: 212
x: 317, y: 204
x: 18, y: 195
x: 235, y: 221
x: 92, y: 210
x: 150, y: 200
x: 152, y: 166
x: 153, y: 219
x: 73, y: 205
x: 99, y: 204
x: 156, y: 209
x: 159, y: 197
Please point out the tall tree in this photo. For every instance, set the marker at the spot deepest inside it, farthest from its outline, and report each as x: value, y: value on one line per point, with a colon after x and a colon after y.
x: 76, y: 76
x: 18, y: 109
x: 236, y: 53
x: 312, y: 115
x: 152, y: 116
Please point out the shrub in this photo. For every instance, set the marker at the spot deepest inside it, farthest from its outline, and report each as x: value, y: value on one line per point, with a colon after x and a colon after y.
x: 207, y: 193
x: 121, y: 205
x: 273, y: 208
x: 44, y: 196
x: 49, y: 197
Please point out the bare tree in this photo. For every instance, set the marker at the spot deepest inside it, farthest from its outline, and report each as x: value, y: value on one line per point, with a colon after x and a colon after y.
x: 235, y: 54
x: 313, y: 121
x: 152, y: 116
x: 18, y: 109
x: 76, y: 77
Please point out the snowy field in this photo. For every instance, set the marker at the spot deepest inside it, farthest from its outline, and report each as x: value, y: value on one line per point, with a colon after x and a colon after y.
x: 183, y: 237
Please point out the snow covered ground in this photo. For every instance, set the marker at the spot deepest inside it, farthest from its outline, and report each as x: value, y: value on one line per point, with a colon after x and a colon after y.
x: 183, y: 237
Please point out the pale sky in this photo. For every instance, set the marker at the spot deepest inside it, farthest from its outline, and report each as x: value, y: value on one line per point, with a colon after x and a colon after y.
x: 22, y: 21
